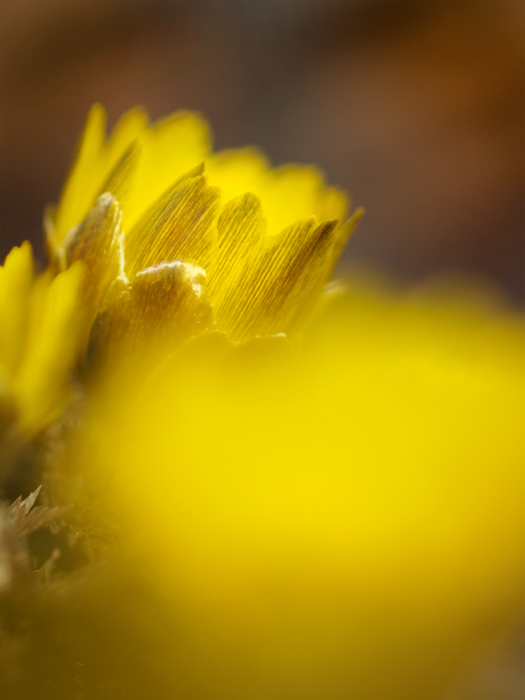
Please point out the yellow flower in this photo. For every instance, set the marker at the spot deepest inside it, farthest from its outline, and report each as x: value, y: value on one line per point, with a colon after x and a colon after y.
x: 343, y: 519
x: 208, y: 240
x: 40, y: 321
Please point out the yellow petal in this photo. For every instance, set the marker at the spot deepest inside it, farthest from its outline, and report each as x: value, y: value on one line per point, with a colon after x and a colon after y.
x: 274, y: 287
x: 16, y: 280
x: 93, y: 164
x: 293, y: 193
x: 287, y: 194
x: 98, y: 241
x: 152, y: 315
x: 344, y: 234
x: 121, y: 180
x: 358, y: 508
x: 333, y: 203
x: 238, y: 171
x: 41, y: 385
x: 171, y: 147
x: 178, y: 227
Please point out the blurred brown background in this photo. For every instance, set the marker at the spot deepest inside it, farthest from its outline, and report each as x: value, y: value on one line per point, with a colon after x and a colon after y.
x: 416, y: 107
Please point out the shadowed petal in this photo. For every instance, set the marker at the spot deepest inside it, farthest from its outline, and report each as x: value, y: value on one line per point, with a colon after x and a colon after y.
x: 152, y: 315
x: 41, y: 385
x: 16, y: 280
x: 240, y: 226
x: 98, y: 241
x: 277, y: 282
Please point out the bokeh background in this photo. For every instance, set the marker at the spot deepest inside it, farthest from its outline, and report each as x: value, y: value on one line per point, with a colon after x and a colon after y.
x: 416, y: 107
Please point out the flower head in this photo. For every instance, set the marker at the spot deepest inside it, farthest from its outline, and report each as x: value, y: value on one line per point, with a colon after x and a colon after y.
x: 254, y: 246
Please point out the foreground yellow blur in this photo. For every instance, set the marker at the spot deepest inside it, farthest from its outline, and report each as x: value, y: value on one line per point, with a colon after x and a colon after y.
x: 344, y: 520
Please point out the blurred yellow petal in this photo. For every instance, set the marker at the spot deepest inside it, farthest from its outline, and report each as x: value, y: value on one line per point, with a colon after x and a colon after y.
x: 344, y: 234
x: 121, y: 180
x: 236, y: 172
x: 171, y: 147
x: 128, y: 129
x: 352, y: 524
x: 293, y: 193
x: 41, y: 385
x: 332, y: 204
x: 16, y: 280
x: 79, y: 189
x: 287, y: 193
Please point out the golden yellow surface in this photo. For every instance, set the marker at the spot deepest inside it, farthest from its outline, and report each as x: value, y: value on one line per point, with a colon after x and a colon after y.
x: 343, y: 520
x: 40, y: 322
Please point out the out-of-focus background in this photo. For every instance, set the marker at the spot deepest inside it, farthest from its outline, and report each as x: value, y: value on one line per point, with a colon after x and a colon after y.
x: 415, y: 107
